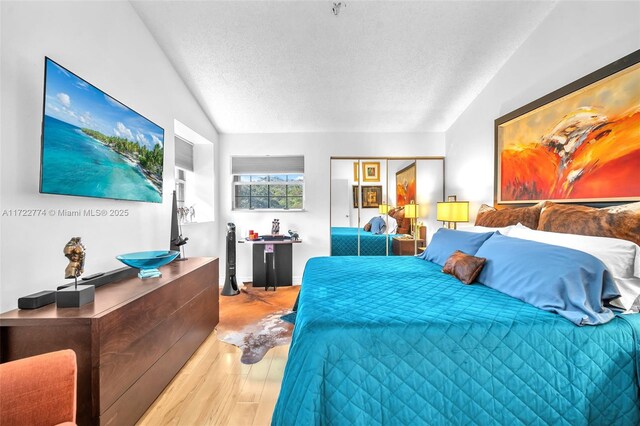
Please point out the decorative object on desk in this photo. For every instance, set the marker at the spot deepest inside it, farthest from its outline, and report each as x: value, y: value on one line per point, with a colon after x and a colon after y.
x: 230, y: 287
x: 74, y: 250
x: 371, y: 171
x: 577, y: 144
x: 186, y: 214
x: 78, y: 295
x: 275, y: 227
x: 252, y: 321
x: 148, y: 262
x: 452, y: 211
x: 406, y: 185
x: 371, y: 197
x: 294, y: 235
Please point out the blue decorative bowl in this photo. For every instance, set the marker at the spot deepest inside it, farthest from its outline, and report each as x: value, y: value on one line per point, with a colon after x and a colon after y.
x: 148, y: 261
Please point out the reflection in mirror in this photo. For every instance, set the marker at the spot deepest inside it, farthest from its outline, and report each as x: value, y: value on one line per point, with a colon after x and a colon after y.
x: 373, y: 225
x: 357, y: 226
x: 429, y: 191
x: 344, y: 207
x: 402, y: 192
x: 389, y: 207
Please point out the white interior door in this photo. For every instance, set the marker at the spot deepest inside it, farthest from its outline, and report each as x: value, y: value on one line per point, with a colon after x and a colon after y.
x: 340, y: 202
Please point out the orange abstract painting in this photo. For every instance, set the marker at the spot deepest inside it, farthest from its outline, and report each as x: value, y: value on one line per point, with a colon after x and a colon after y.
x: 406, y: 185
x: 584, y: 146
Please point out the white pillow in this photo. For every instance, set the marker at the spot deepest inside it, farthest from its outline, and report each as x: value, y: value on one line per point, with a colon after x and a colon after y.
x: 480, y: 229
x: 628, y: 288
x: 621, y: 257
x: 392, y: 224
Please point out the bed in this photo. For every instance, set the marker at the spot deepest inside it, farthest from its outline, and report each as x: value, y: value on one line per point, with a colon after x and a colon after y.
x: 395, y: 341
x: 344, y: 242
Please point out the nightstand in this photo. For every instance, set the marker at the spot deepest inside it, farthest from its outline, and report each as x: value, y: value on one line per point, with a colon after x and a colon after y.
x: 405, y: 246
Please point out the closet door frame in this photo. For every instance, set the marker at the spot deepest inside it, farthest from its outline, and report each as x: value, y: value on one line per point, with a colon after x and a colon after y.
x: 360, y: 160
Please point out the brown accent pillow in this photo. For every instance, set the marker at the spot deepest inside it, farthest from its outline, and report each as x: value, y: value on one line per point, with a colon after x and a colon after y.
x: 367, y: 227
x: 463, y: 266
x: 614, y: 222
x: 493, y: 218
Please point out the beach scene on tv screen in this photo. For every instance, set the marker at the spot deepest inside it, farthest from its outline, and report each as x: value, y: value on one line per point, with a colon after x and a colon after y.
x: 94, y: 146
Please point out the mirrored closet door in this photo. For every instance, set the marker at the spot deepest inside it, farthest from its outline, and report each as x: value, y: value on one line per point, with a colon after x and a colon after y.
x: 384, y: 206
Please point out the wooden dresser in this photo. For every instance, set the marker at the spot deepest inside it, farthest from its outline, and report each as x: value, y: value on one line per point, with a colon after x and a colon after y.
x: 130, y: 342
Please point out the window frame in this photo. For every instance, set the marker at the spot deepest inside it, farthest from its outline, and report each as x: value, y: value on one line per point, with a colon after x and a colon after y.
x: 236, y: 182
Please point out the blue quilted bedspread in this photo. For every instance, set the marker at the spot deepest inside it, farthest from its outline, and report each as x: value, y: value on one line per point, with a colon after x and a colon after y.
x: 344, y: 242
x: 395, y: 341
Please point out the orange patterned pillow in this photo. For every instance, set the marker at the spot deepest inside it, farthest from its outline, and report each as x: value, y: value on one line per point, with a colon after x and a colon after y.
x: 493, y: 218
x: 621, y: 222
x: 463, y: 266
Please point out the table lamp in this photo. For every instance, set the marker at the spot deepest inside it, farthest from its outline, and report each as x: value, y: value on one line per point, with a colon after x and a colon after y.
x: 411, y: 212
x: 452, y: 211
x: 383, y: 208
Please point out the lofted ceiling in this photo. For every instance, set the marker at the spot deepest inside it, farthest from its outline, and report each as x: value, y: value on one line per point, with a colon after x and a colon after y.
x: 292, y: 66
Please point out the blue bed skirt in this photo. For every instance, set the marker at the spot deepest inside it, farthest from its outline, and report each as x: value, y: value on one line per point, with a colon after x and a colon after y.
x: 395, y: 341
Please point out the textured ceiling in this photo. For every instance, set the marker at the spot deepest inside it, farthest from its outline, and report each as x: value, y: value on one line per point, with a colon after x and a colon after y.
x: 284, y: 66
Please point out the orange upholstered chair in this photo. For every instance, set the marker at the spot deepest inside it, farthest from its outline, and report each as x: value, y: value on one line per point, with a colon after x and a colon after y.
x: 39, y: 390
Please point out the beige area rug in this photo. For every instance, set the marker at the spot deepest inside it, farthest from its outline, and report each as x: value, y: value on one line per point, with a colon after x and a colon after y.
x: 251, y: 320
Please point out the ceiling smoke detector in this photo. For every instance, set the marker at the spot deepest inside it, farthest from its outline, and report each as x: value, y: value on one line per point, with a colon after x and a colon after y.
x: 336, y: 7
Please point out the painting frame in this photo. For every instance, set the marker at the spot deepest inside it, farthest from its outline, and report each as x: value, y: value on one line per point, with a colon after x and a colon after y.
x: 355, y: 196
x: 356, y: 166
x: 371, y: 196
x: 371, y: 171
x: 563, y: 147
x: 406, y: 185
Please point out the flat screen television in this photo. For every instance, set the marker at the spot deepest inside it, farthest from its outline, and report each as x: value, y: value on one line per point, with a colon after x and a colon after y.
x: 93, y: 145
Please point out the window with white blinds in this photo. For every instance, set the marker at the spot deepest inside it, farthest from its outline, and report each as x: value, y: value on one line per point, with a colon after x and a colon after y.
x: 184, y: 154
x: 268, y: 182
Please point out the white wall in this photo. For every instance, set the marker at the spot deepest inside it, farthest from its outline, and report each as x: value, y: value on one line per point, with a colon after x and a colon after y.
x: 317, y: 148
x: 107, y: 44
x: 574, y: 40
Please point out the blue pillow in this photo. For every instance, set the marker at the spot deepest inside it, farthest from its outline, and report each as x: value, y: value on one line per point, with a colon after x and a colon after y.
x: 557, y: 279
x: 377, y: 225
x: 446, y: 241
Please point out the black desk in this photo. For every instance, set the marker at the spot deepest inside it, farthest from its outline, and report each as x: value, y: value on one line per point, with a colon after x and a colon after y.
x: 272, y: 262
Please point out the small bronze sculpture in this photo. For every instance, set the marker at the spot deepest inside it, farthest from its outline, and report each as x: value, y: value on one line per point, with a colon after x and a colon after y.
x: 75, y: 252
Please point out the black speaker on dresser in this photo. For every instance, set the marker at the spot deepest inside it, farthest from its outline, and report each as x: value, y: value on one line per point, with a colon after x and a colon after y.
x: 230, y: 284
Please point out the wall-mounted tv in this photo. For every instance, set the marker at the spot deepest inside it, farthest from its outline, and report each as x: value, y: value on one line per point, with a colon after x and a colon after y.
x: 93, y: 145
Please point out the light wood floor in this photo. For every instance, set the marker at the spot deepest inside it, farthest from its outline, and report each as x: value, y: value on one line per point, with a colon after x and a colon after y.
x: 214, y: 388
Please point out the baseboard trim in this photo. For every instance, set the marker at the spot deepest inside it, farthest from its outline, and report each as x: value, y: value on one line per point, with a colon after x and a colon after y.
x: 297, y: 280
